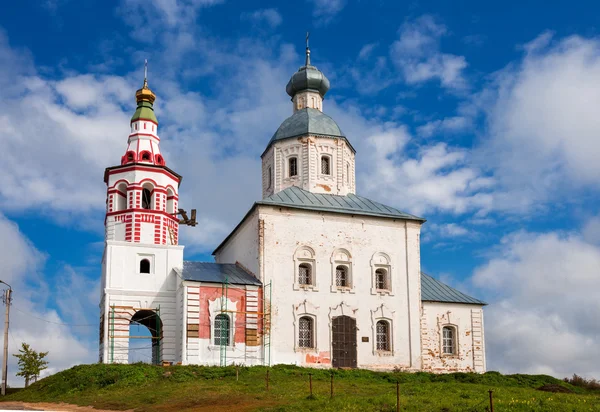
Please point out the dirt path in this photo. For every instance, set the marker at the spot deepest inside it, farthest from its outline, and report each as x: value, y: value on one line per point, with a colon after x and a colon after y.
x: 24, y: 406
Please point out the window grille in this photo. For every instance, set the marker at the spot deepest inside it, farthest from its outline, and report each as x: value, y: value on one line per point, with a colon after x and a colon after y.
x: 381, y: 281
x: 269, y: 178
x: 146, y: 199
x: 305, y: 332
x: 341, y: 276
x: 383, y: 335
x: 221, y: 330
x: 304, y: 274
x: 448, y: 340
x: 325, y: 166
x: 144, y: 266
x: 293, y: 166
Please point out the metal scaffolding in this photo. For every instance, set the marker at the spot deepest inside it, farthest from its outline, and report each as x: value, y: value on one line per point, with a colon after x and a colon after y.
x: 120, y: 318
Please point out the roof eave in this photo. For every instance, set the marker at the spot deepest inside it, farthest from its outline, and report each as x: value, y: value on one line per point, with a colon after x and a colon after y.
x: 328, y: 136
x: 480, y: 303
x: 235, y: 229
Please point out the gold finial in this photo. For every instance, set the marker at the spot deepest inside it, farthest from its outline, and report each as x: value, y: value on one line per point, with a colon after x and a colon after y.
x: 307, y: 50
x: 145, y: 94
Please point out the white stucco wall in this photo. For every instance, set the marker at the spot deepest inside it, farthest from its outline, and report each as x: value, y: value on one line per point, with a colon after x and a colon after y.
x: 243, y: 245
x: 285, y: 230
x: 468, y: 321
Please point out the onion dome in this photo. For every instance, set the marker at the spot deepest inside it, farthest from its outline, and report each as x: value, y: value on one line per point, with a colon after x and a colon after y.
x: 307, y: 122
x: 308, y: 78
x: 145, y: 104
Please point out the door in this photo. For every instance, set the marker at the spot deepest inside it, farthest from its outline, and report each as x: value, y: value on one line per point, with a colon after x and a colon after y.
x: 343, y: 341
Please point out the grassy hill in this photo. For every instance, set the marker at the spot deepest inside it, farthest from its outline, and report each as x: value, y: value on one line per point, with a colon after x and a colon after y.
x: 179, y: 388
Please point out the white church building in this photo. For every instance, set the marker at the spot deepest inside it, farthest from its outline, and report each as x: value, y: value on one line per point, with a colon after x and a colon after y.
x: 313, y: 275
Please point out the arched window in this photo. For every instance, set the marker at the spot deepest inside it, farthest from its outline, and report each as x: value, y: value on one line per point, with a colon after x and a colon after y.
x: 170, y: 201
x: 146, y: 199
x: 304, y: 274
x: 130, y: 157
x: 381, y: 279
x: 449, y: 340
x: 159, y: 160
x: 144, y: 266
x: 221, y: 330
x: 121, y: 197
x: 146, y: 157
x: 305, y: 332
x: 325, y: 165
x: 341, y: 276
x: 269, y: 178
x: 383, y: 335
x: 293, y: 166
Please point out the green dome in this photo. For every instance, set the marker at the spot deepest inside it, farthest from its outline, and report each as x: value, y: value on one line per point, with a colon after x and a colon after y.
x: 145, y: 110
x: 307, y: 121
x: 307, y: 78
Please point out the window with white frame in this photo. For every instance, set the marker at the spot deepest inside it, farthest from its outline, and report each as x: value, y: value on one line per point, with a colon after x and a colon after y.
x: 304, y: 274
x: 221, y: 330
x: 325, y: 165
x: 341, y: 276
x: 381, y: 279
x: 382, y: 330
x: 449, y: 340
x: 306, y: 332
x: 293, y: 167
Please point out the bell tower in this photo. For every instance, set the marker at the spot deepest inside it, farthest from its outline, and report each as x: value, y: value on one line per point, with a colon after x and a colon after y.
x: 142, y: 251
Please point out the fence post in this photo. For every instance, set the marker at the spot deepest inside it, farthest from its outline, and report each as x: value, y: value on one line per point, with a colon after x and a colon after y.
x: 267, y: 379
x: 237, y: 373
x: 310, y: 383
x: 397, y: 396
x: 491, y: 401
x: 331, y: 393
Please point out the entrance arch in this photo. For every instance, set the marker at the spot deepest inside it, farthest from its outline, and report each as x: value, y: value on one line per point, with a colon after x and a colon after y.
x: 149, y: 339
x: 343, y: 342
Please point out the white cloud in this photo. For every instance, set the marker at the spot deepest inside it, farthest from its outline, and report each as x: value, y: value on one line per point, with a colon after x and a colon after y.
x: 31, y: 318
x: 366, y: 51
x: 542, y: 123
x: 418, y: 56
x: 448, y: 229
x: 453, y: 124
x: 325, y: 10
x: 544, y: 311
x: 269, y: 16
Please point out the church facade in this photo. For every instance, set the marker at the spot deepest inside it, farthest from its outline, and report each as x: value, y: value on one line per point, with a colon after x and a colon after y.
x: 313, y: 275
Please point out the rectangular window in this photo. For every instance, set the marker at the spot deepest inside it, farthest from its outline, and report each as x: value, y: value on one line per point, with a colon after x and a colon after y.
x: 305, y: 332
x: 293, y: 166
x: 448, y: 340
x: 341, y: 276
x: 325, y: 166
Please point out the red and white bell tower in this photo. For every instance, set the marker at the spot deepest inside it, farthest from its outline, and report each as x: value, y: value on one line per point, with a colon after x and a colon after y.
x: 142, y: 251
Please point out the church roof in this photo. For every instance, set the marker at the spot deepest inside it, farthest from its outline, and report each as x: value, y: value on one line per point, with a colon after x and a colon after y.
x: 217, y: 273
x: 432, y: 290
x: 306, y: 122
x: 297, y: 198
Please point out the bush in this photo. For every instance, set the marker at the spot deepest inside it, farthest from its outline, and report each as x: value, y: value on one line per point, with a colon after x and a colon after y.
x: 582, y: 382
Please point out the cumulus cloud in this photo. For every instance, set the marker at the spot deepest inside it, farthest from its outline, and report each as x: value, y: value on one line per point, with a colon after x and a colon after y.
x: 542, y: 123
x: 543, y: 317
x: 325, y: 10
x: 417, y: 54
x: 269, y: 16
x: 453, y: 124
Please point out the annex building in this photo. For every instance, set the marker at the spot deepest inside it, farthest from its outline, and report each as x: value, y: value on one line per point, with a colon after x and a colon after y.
x: 313, y: 275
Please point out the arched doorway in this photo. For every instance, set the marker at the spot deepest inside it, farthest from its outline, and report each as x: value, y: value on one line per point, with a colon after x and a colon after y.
x: 145, y: 337
x: 343, y: 342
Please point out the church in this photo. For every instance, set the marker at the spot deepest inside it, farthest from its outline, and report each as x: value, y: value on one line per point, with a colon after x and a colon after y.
x: 313, y: 275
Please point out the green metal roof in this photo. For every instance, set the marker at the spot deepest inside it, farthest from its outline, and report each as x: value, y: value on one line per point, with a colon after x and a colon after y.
x: 217, y: 273
x: 298, y: 198
x: 432, y: 290
x: 307, y: 78
x: 307, y: 121
x: 144, y: 110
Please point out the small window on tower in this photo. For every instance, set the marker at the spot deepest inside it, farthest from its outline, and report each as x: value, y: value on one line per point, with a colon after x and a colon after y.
x: 325, y: 165
x: 145, y: 156
x: 130, y: 157
x: 269, y: 178
x: 144, y: 266
x: 293, y: 166
x: 160, y: 160
x: 146, y: 199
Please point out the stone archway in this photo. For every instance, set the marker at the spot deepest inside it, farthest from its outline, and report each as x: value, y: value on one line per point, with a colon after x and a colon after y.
x: 149, y: 319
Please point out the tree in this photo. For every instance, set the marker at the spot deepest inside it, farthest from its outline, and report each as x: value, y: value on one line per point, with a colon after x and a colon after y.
x: 31, y: 363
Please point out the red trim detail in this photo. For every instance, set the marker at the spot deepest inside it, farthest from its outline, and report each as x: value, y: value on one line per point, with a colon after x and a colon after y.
x: 147, y: 120
x: 145, y: 153
x: 145, y: 169
x: 144, y: 134
x: 145, y: 211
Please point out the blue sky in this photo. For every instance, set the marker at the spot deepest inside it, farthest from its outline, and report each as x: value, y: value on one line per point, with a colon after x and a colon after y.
x: 481, y: 118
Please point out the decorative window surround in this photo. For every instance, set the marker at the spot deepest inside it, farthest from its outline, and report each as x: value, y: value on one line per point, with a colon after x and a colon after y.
x: 149, y: 258
x: 381, y: 260
x: 305, y: 255
x: 453, y: 340
x: 214, y: 309
x: 383, y: 313
x: 342, y: 257
x: 305, y: 309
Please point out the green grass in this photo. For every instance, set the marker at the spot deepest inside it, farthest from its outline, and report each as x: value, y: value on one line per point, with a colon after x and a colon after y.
x: 177, y: 388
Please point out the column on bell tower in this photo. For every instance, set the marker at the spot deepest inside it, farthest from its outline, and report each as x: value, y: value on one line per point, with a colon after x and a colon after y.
x: 142, y: 196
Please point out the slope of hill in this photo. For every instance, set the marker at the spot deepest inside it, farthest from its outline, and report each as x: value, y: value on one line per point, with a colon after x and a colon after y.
x: 178, y: 388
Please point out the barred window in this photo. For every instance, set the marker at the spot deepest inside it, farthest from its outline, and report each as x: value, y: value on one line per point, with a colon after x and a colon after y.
x: 381, y: 279
x: 269, y: 178
x: 221, y: 330
x: 325, y: 165
x: 383, y: 335
x: 293, y: 166
x: 449, y: 340
x: 341, y: 276
x: 304, y: 274
x: 305, y: 332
